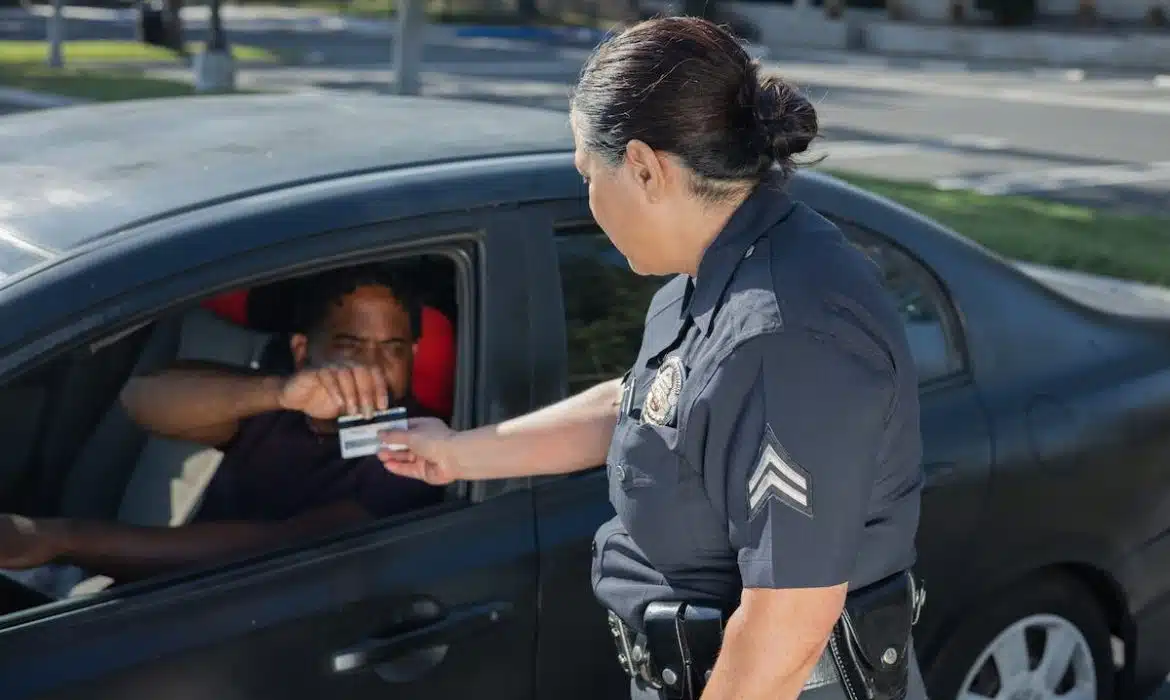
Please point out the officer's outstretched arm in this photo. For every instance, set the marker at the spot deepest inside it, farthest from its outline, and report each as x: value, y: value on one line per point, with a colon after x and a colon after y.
x: 794, y: 424
x: 568, y: 436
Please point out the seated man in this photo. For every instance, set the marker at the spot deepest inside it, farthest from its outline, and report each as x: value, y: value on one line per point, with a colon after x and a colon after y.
x: 282, y: 477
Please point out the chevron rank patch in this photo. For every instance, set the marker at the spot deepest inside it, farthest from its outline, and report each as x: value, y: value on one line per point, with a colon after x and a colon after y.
x: 777, y: 477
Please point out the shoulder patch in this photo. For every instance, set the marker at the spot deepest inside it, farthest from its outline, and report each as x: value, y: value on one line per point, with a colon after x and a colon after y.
x: 776, y: 476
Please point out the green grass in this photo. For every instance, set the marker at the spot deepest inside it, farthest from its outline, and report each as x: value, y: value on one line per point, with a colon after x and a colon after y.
x: 110, y: 51
x: 1041, y: 231
x: 90, y: 84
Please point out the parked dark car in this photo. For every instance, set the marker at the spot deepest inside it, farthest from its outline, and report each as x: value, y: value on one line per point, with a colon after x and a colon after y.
x: 1045, y: 397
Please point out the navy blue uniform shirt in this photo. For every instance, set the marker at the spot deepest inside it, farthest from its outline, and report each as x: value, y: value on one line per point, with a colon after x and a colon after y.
x: 768, y: 434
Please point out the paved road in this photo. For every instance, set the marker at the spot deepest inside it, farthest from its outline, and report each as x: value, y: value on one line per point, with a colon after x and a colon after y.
x: 1095, y: 139
x: 1101, y: 142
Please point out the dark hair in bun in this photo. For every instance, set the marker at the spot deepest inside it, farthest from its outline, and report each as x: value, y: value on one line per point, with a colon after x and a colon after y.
x: 686, y: 86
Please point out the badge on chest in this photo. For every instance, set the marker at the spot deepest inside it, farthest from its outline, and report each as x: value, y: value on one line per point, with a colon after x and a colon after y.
x: 661, y: 404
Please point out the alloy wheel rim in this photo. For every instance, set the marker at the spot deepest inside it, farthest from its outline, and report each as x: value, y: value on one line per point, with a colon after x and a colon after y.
x: 1041, y: 657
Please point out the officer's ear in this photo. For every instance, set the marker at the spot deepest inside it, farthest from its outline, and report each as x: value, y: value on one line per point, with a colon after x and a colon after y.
x: 648, y: 169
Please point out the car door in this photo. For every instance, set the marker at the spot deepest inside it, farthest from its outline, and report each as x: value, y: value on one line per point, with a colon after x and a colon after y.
x: 956, y: 437
x: 435, y: 604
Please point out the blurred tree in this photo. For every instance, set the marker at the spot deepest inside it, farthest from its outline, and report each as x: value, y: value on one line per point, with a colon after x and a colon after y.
x: 173, y: 20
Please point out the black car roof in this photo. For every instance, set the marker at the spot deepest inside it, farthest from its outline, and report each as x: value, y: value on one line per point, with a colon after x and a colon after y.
x: 69, y: 176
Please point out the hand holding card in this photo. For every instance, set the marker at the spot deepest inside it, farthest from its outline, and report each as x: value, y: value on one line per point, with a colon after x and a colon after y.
x: 359, y: 435
x: 424, y: 450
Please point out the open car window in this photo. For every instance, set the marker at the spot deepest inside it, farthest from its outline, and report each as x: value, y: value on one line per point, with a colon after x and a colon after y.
x: 118, y: 472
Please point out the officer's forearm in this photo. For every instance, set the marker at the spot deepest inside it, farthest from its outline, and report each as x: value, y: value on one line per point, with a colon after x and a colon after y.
x: 772, y: 643
x: 568, y: 436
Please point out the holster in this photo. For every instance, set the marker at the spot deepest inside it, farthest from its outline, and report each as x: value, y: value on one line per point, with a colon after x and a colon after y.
x: 871, y: 642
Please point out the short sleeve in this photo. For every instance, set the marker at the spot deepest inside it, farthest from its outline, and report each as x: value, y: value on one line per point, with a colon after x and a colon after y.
x: 795, y: 423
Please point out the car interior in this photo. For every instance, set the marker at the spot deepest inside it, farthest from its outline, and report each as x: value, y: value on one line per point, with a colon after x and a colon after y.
x: 72, y: 451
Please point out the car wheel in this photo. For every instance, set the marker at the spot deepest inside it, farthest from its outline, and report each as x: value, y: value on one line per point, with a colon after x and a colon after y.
x: 1046, y: 640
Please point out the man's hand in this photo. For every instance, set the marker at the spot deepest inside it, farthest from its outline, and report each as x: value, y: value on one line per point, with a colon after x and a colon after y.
x: 27, y: 543
x: 428, y: 455
x: 328, y: 392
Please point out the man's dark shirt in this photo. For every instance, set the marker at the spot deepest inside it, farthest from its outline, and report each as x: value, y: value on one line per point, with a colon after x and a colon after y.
x: 277, y: 467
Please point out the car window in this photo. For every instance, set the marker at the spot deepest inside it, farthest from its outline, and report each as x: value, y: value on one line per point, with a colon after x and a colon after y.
x: 925, y: 311
x: 605, y: 306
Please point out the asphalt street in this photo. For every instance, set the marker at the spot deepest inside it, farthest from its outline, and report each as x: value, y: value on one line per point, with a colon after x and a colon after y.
x: 1097, y: 139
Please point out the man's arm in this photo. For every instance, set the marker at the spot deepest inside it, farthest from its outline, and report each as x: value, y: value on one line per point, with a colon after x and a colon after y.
x: 129, y: 552
x: 568, y: 436
x: 199, y: 401
x: 794, y: 429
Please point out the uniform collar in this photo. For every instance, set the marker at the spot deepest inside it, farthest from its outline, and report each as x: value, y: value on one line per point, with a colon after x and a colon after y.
x: 764, y: 207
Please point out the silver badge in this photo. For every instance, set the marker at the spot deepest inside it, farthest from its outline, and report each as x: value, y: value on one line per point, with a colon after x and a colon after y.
x: 662, y: 400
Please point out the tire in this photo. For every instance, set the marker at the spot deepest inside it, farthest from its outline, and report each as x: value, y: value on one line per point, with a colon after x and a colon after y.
x: 1042, y: 610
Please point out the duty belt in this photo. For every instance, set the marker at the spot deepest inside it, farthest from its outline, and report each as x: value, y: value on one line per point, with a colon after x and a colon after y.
x: 868, y: 653
x: 677, y: 659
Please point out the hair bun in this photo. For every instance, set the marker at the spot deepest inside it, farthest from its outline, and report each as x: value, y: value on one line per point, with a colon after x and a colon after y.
x: 786, y: 120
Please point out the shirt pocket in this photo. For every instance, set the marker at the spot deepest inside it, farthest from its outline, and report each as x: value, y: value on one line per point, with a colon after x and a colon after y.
x: 645, y: 457
x: 644, y: 488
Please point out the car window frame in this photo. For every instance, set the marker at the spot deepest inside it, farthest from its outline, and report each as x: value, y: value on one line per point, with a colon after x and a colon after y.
x: 935, y: 289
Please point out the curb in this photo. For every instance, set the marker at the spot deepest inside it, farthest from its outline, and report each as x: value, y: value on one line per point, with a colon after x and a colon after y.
x: 32, y: 99
x: 577, y: 34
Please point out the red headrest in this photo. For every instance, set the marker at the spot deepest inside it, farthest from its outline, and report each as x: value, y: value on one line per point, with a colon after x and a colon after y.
x: 434, y: 361
x: 232, y: 306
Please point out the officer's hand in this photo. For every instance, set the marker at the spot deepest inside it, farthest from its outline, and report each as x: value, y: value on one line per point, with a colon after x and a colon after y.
x: 427, y: 453
x: 27, y: 543
x: 336, y: 390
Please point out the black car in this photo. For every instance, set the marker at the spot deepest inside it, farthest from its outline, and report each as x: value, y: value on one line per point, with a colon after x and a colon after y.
x: 1045, y: 396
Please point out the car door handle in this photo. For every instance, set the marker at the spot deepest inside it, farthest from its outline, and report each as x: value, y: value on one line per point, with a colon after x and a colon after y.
x: 457, y: 623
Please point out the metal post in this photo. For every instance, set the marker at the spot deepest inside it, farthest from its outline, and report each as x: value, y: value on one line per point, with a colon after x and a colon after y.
x: 56, y: 30
x: 217, y: 40
x: 412, y: 25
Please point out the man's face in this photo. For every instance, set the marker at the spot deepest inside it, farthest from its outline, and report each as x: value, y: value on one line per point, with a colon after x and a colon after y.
x: 367, y: 327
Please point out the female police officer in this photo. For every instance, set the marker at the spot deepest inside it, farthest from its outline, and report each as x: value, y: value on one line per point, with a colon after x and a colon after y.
x: 764, y: 459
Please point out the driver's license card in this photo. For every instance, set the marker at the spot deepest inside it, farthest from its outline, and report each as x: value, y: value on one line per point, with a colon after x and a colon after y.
x: 359, y: 435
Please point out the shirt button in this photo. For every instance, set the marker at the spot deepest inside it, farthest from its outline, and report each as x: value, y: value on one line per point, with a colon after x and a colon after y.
x: 619, y: 472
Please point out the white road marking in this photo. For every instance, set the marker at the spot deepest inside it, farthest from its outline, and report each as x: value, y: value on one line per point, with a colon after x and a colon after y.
x: 977, y: 141
x: 1058, y: 179
x: 1074, y: 75
x: 1162, y: 81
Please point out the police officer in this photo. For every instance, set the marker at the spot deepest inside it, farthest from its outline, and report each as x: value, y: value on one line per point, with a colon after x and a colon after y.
x: 765, y: 458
